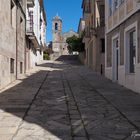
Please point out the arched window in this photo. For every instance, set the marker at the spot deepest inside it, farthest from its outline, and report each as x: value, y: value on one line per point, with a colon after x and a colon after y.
x: 56, y: 26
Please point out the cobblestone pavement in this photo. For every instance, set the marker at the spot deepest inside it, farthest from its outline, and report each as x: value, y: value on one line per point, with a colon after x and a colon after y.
x: 64, y: 100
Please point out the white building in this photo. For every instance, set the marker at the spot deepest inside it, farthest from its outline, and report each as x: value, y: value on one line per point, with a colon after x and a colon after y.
x: 36, y: 32
x: 122, y: 61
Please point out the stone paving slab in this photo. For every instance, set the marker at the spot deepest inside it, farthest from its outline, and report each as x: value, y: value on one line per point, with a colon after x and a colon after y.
x: 71, y: 103
x: 125, y: 100
x: 15, y: 100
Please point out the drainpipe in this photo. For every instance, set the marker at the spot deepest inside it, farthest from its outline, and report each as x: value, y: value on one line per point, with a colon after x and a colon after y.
x: 25, y: 51
x: 16, y: 42
x: 25, y: 61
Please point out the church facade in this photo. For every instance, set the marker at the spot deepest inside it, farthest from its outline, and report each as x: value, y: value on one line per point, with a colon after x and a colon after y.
x: 59, y: 45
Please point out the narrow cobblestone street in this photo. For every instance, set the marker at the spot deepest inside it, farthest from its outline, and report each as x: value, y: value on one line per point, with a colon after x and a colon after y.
x: 63, y: 100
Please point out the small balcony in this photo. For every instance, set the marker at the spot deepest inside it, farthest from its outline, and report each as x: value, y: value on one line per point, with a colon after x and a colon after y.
x: 30, y: 3
x: 31, y: 34
x: 29, y: 27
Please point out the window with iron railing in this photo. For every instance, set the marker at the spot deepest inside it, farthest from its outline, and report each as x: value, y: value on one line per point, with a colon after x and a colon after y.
x: 30, y: 22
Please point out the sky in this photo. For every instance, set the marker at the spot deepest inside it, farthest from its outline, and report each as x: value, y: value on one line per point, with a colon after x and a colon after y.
x: 69, y: 10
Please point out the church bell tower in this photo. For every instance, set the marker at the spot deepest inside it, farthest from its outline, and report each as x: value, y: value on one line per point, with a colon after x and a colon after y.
x: 56, y: 35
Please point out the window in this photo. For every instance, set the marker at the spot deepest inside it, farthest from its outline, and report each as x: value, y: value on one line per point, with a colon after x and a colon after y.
x: 11, y: 65
x: 21, y: 25
x: 130, y: 42
x: 56, y: 26
x: 21, y: 67
x: 102, y: 45
x: 132, y: 51
x: 31, y: 20
x: 21, y: 20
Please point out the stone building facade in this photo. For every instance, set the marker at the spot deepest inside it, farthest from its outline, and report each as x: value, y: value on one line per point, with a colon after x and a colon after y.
x: 66, y: 35
x: 21, y: 40
x: 59, y: 45
x: 81, y: 29
x: 56, y: 36
x: 123, y: 43
x: 14, y: 40
x: 35, y: 32
x: 94, y: 38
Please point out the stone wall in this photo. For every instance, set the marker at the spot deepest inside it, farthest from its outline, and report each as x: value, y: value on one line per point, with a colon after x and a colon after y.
x: 7, y: 43
x: 21, y: 40
x: 81, y: 57
x: 12, y: 42
x: 120, y: 30
x: 125, y: 78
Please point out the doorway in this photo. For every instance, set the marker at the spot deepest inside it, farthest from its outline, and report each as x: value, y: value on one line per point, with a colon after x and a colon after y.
x: 115, y: 59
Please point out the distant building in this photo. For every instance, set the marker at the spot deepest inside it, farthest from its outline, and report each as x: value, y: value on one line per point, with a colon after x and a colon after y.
x: 123, y: 42
x: 57, y: 35
x: 66, y: 35
x: 59, y: 45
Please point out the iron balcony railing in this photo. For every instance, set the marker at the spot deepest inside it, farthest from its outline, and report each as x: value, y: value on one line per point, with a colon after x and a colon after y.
x: 29, y: 27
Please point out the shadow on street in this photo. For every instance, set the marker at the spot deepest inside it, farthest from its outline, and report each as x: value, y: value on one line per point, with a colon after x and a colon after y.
x: 63, y: 100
